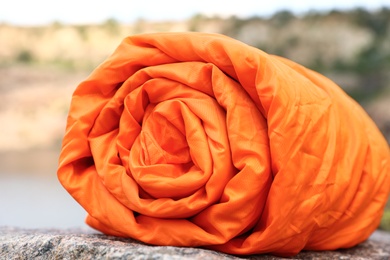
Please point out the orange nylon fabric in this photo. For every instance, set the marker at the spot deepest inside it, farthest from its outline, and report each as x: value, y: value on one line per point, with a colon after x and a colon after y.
x: 191, y: 139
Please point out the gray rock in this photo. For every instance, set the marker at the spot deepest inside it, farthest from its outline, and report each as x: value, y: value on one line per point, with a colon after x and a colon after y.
x: 16, y: 243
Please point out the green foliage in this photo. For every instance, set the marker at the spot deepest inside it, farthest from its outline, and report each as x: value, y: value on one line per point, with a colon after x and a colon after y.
x: 195, y: 21
x: 370, y: 59
x: 377, y: 22
x: 385, y: 223
x: 313, y: 16
x: 318, y: 64
x: 282, y: 18
x: 24, y: 56
x: 112, y: 26
x: 236, y: 23
x: 82, y: 30
x: 293, y: 41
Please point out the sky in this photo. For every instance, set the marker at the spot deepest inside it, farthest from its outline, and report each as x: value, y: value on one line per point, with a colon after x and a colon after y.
x: 38, y: 12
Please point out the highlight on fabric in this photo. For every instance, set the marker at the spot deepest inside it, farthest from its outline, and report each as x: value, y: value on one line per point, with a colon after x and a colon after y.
x: 199, y: 140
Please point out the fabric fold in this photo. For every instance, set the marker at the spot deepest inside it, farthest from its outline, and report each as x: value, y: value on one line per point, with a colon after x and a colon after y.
x: 194, y: 139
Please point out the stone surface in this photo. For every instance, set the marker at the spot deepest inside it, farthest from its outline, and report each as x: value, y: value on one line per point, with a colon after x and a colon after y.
x: 16, y: 243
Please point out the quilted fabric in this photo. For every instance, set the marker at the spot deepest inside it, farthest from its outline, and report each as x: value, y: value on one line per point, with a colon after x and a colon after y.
x: 192, y: 139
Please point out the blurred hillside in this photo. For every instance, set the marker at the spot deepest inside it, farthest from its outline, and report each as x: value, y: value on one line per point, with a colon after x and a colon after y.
x: 41, y: 66
x: 351, y: 47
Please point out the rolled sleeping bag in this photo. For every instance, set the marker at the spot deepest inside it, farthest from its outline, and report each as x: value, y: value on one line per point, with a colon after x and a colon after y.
x: 199, y: 140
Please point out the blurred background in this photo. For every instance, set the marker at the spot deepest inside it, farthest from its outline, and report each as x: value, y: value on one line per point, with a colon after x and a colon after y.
x: 48, y: 47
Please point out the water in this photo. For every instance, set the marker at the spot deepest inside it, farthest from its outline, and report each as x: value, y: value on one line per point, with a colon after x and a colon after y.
x: 37, y: 202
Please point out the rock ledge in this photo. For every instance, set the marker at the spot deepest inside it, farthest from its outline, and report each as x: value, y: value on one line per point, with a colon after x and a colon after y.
x: 17, y: 243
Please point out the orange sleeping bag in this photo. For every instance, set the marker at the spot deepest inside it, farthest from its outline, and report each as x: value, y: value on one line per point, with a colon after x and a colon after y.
x: 192, y: 139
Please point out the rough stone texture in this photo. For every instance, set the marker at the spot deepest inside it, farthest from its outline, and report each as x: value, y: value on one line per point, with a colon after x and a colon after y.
x: 16, y: 243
